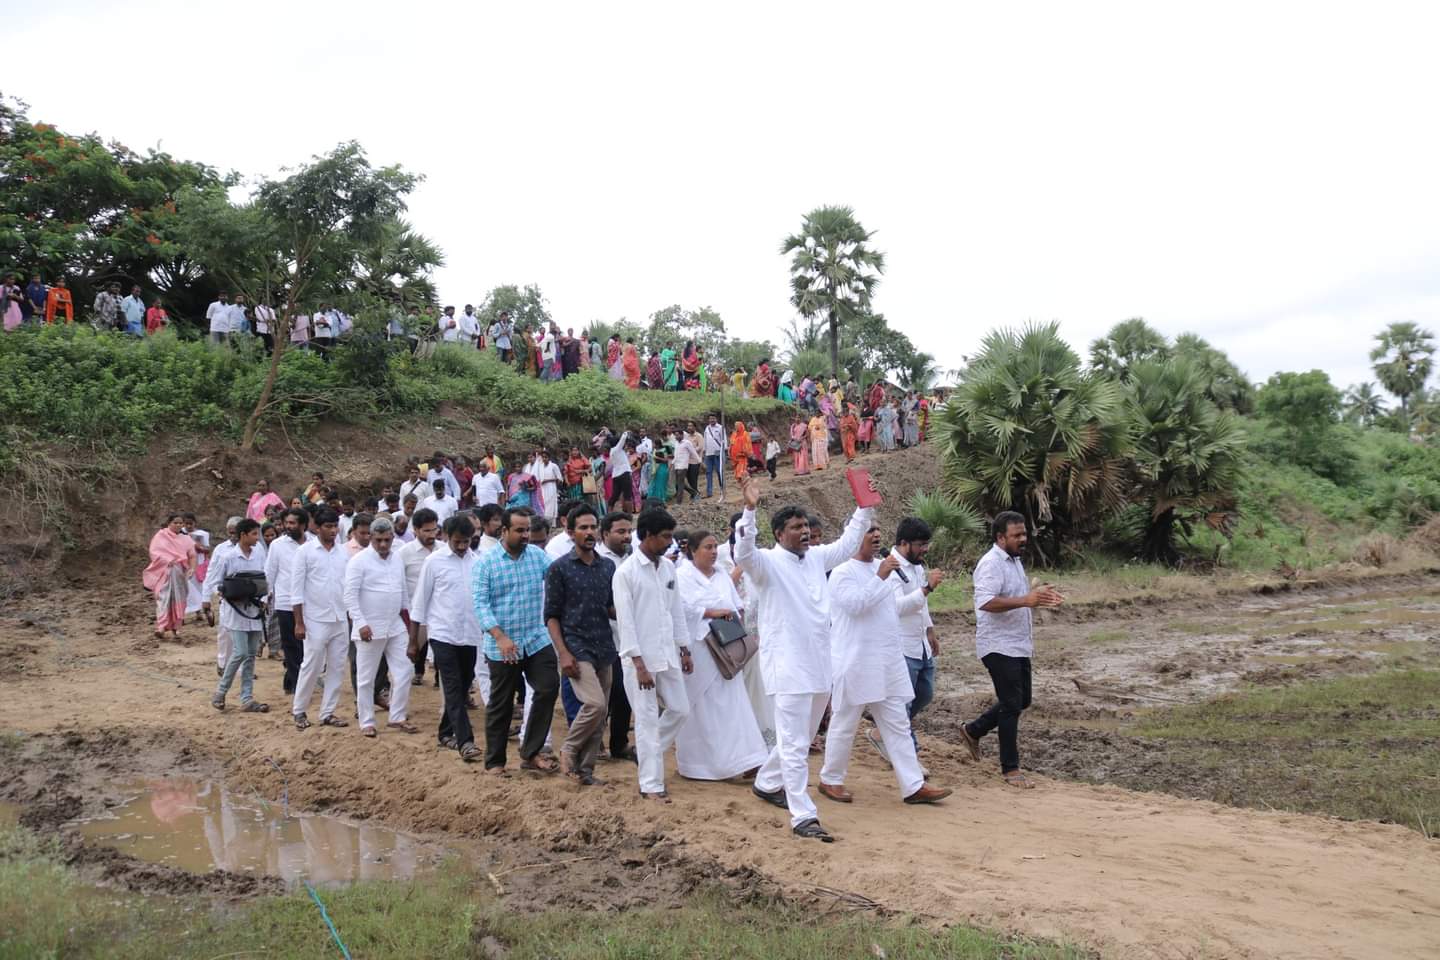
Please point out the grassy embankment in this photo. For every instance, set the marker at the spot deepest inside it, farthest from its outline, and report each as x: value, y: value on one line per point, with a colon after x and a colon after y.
x: 46, y: 911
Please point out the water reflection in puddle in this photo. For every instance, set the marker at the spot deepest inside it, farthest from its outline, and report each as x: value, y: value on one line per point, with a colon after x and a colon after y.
x: 201, y: 826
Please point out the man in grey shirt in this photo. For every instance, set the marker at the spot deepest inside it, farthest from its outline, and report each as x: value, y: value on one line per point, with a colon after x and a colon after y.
x: 1004, y: 640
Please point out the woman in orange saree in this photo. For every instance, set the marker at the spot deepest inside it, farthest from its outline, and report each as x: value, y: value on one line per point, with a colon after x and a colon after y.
x: 849, y: 433
x: 631, y: 362
x: 740, y: 450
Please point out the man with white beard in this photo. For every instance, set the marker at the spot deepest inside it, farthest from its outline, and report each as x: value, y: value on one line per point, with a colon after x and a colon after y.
x: 374, y: 597
x: 869, y: 671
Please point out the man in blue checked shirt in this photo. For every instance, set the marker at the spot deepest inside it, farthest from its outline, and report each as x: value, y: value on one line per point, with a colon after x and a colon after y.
x: 509, y: 593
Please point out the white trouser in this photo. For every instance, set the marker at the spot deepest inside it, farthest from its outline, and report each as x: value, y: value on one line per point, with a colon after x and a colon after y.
x: 655, y: 732
x: 367, y: 665
x: 797, y: 720
x: 326, y: 649
x: 893, y: 722
x: 222, y: 643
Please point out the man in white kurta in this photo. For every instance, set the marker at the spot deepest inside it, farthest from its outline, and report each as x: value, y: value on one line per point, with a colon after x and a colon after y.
x: 374, y: 597
x: 317, y: 590
x: 787, y: 582
x: 869, y: 669
x: 654, y: 647
x: 207, y: 593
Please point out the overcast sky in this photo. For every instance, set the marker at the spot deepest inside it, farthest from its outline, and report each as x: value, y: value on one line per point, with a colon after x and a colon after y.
x: 1262, y: 174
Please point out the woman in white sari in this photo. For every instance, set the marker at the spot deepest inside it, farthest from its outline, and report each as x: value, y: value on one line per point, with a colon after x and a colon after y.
x: 721, y: 738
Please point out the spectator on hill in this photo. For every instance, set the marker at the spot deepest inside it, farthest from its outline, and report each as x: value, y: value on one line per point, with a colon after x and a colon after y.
x: 36, y: 294
x: 156, y: 319
x: 218, y: 317
x: 107, y: 308
x: 132, y: 308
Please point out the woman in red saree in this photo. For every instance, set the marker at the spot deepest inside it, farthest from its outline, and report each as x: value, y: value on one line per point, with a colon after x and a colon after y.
x: 764, y: 383
x: 740, y: 450
x: 849, y: 433
x: 690, y: 366
x: 172, y: 561
x: 631, y: 363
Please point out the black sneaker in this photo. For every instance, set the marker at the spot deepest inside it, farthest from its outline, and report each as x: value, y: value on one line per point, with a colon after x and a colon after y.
x: 776, y: 799
x: 811, y: 830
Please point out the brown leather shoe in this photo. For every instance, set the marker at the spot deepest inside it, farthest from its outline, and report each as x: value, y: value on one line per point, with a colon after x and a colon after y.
x: 838, y: 793
x: 928, y: 794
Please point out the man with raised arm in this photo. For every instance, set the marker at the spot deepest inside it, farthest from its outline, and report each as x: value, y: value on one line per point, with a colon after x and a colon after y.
x: 788, y: 584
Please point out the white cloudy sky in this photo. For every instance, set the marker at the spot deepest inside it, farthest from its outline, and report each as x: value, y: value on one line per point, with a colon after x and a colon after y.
x: 1264, y: 174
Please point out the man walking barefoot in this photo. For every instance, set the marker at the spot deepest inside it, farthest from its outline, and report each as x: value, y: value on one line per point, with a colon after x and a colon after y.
x: 1004, y: 640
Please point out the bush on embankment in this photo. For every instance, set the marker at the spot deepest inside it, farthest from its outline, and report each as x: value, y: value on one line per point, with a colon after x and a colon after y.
x: 72, y: 385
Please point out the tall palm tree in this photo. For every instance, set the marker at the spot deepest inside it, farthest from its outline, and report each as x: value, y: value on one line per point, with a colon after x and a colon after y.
x: 1028, y: 430
x: 1187, y: 450
x: 1363, y: 404
x: 833, y: 271
x: 1403, y: 358
x: 1128, y: 342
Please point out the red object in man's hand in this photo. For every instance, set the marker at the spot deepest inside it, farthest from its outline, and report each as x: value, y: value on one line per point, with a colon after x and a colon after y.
x: 860, y: 487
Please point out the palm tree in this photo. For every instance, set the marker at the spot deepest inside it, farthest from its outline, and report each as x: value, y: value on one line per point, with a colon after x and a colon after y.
x: 1028, y: 430
x: 1128, y: 342
x: 1363, y: 404
x: 1187, y: 450
x: 919, y: 373
x: 395, y: 267
x: 833, y: 271
x: 1403, y: 359
x: 1226, y: 384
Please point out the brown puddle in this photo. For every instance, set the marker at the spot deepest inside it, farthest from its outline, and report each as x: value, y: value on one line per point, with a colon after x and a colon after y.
x: 200, y: 826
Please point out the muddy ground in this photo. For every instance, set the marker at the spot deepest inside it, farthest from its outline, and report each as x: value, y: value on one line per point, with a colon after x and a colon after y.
x: 89, y: 699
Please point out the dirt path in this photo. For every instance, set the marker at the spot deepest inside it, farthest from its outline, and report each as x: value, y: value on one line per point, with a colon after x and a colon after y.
x: 1134, y: 874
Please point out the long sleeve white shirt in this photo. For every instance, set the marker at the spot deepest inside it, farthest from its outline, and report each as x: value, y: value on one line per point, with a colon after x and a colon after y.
x: 419, y: 486
x: 793, y: 603
x: 865, y: 652
x: 445, y: 507
x: 442, y: 598
x: 714, y: 440
x: 685, y: 454
x: 913, y: 608
x: 317, y: 581
x: 412, y: 560
x: 375, y: 594
x: 217, y: 556
x: 279, y: 568
x: 619, y: 459
x: 452, y: 486
x: 232, y: 562
x: 649, y: 613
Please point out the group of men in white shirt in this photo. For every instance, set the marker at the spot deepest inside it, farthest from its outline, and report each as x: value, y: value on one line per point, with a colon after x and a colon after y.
x: 846, y: 628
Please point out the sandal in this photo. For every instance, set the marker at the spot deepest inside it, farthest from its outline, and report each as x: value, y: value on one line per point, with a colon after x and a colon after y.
x: 333, y: 721
x: 811, y: 830
x: 1017, y: 779
x: 539, y: 764
x: 302, y: 722
x: 218, y: 704
x: 254, y: 707
x: 402, y: 726
x: 447, y: 743
x: 469, y: 753
x: 368, y: 732
x: 661, y: 797
x: 971, y: 743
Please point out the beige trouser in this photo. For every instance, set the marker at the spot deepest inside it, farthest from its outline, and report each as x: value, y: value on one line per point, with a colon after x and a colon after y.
x: 587, y: 731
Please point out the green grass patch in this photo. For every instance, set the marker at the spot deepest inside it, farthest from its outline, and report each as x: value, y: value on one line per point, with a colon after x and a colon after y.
x: 1364, y: 747
x: 47, y: 911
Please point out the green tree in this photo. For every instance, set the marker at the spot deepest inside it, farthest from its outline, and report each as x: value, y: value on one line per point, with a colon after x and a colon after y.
x: 91, y: 211
x: 833, y: 271
x: 1027, y: 429
x: 297, y: 240
x: 1227, y: 385
x: 526, y: 306
x: 1187, y: 450
x: 1127, y: 343
x: 395, y: 270
x: 674, y: 324
x: 1403, y: 359
x: 1306, y: 407
x: 1363, y: 405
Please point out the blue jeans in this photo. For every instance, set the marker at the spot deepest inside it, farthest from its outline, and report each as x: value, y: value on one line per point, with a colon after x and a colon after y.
x: 922, y: 678
x: 244, y: 646
x: 712, y: 471
x: 568, y: 700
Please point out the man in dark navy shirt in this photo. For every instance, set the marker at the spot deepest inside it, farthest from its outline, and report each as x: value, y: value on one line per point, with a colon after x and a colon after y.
x: 579, y: 606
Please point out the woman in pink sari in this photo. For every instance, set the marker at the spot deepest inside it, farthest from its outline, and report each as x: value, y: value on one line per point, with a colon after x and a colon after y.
x: 799, y: 443
x: 172, y: 561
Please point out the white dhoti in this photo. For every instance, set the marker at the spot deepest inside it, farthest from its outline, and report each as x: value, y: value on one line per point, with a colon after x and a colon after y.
x: 721, y: 738
x: 893, y: 722
x: 367, y: 664
x: 655, y: 732
x: 761, y: 703
x: 326, y: 648
x: 222, y: 642
x: 797, y: 720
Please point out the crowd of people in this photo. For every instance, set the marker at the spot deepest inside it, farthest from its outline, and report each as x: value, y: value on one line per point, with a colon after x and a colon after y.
x: 736, y: 656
